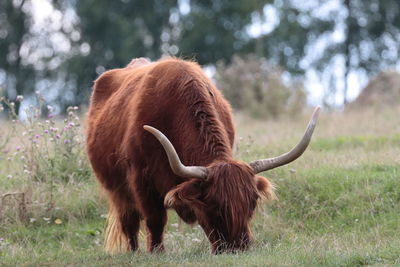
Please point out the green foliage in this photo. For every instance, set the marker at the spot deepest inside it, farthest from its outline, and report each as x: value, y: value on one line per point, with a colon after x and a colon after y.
x: 46, y: 150
x: 216, y: 30
x: 298, y: 27
x: 373, y: 23
x: 253, y: 85
x: 88, y: 37
x: 369, y: 44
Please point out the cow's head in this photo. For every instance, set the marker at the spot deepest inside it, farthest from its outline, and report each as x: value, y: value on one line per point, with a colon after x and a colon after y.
x: 224, y: 195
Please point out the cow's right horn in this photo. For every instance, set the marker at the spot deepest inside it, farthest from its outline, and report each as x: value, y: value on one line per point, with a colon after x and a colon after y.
x: 176, y: 165
x: 270, y: 163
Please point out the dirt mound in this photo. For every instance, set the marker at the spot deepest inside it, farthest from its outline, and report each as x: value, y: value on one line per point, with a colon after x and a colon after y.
x: 384, y: 89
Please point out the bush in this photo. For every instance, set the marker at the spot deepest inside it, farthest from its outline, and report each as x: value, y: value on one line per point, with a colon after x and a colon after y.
x: 40, y: 154
x: 254, y: 86
x: 381, y: 91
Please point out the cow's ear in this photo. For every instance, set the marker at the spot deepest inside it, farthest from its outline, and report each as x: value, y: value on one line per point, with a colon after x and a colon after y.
x: 265, y: 188
x: 187, y: 193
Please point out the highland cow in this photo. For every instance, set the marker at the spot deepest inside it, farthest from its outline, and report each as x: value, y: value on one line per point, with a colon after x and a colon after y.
x: 185, y: 162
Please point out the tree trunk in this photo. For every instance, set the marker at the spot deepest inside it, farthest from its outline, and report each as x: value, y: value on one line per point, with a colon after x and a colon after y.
x: 347, y: 55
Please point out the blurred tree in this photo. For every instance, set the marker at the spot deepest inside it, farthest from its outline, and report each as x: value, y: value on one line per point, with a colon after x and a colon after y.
x: 350, y: 35
x: 371, y: 33
x: 16, y: 74
x: 212, y: 30
x: 84, y: 38
x: 296, y: 29
x: 372, y: 37
x: 112, y: 33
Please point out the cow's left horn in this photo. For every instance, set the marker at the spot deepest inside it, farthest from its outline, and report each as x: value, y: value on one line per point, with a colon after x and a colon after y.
x: 268, y: 164
x: 176, y: 165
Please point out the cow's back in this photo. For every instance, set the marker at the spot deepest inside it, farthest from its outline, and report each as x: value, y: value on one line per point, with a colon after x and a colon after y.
x: 172, y: 95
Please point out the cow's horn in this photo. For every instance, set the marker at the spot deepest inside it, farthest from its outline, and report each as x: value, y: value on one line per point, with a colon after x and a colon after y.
x: 176, y: 165
x: 268, y: 164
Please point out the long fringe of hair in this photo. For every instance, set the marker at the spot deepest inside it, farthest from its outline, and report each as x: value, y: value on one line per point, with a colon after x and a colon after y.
x: 237, y: 193
x: 115, y: 240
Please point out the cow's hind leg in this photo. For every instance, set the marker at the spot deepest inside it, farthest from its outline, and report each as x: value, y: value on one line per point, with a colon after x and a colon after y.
x: 122, y: 224
x: 130, y: 223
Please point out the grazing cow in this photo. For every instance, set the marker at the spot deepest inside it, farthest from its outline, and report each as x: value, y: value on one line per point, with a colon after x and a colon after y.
x: 185, y: 162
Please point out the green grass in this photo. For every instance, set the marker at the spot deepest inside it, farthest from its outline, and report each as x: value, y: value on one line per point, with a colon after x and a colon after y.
x: 351, y: 142
x: 339, y: 205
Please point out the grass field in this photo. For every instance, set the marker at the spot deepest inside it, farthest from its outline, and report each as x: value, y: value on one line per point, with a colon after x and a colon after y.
x: 339, y: 204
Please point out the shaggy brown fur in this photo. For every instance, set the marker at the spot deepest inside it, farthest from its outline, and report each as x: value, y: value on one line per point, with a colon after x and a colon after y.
x: 175, y: 97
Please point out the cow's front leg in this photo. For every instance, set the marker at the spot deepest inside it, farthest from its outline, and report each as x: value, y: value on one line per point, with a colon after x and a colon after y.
x: 155, y: 225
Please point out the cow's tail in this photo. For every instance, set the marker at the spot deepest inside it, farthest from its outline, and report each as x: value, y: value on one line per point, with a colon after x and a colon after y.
x: 115, y: 240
